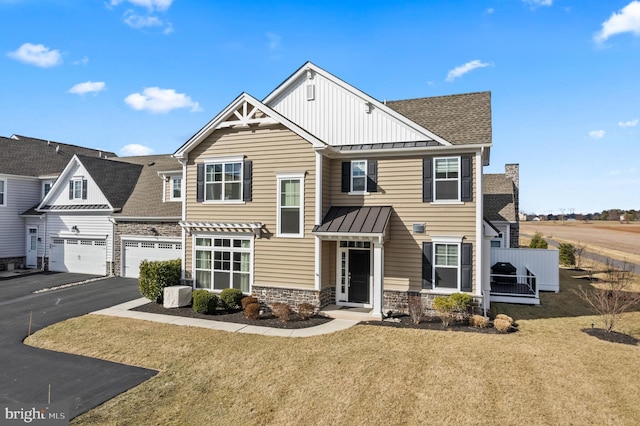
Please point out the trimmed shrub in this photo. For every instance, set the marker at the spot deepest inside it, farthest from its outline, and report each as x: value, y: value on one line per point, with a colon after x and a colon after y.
x: 252, y: 311
x: 247, y: 300
x: 503, y: 323
x: 478, y: 321
x: 454, y: 307
x: 306, y: 310
x: 156, y: 275
x: 567, y: 254
x: 282, y: 311
x: 415, y: 309
x: 538, y: 242
x: 231, y: 298
x: 204, y: 302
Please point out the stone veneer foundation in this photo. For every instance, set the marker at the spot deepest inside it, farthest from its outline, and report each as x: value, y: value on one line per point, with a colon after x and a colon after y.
x: 398, y: 301
x: 294, y: 297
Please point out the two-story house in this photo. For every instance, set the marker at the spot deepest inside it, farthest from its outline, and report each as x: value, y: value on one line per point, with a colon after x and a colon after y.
x: 28, y: 169
x: 320, y: 193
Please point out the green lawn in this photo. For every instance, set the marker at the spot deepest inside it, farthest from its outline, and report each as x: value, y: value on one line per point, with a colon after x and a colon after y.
x: 549, y: 372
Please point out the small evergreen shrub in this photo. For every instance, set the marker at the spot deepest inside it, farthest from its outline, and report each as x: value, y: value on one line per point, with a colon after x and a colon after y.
x: 282, y: 311
x: 567, y: 254
x: 230, y: 298
x: 478, y: 321
x: 252, y: 311
x: 204, y: 302
x: 306, y: 310
x: 503, y: 323
x: 156, y: 275
x: 415, y: 309
x: 454, y: 307
x: 538, y: 242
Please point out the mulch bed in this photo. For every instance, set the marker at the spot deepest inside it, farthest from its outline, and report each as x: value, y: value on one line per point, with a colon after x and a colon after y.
x: 237, y: 317
x: 612, y: 336
x: 430, y: 323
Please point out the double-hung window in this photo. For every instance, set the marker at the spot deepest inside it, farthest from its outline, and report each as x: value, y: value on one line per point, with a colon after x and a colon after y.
x: 78, y: 189
x: 447, y: 179
x: 176, y: 188
x: 46, y: 187
x: 223, y: 262
x: 359, y: 176
x: 290, y: 205
x: 446, y: 266
x: 3, y: 192
x: 223, y: 181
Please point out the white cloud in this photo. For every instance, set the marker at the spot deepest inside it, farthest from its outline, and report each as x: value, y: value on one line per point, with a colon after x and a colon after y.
x: 37, y: 54
x: 155, y: 99
x: 596, y: 134
x: 537, y: 3
x: 463, y: 69
x: 489, y: 11
x: 138, y: 21
x: 135, y: 149
x: 88, y: 87
x: 626, y: 21
x: 152, y: 5
x: 83, y: 61
x: 630, y: 123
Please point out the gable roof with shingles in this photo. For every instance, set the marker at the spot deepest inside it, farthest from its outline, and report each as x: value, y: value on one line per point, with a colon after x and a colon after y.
x: 24, y: 156
x: 459, y: 119
x: 147, y: 195
x: 115, y: 179
x: 498, y: 197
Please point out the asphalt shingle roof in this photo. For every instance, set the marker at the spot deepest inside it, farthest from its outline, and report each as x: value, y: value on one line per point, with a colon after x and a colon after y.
x: 146, y: 198
x: 459, y: 119
x: 498, y: 190
x: 26, y: 156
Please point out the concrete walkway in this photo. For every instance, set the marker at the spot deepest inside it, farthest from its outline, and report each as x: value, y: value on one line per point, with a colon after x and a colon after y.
x: 123, y: 311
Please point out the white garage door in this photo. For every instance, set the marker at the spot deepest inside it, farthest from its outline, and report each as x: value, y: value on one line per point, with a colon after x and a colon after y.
x: 82, y: 256
x: 136, y: 251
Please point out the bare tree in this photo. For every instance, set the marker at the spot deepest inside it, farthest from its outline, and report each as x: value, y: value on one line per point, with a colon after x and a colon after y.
x: 578, y: 252
x: 614, y: 298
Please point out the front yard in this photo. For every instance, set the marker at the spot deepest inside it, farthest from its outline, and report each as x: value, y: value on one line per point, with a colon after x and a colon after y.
x: 549, y: 372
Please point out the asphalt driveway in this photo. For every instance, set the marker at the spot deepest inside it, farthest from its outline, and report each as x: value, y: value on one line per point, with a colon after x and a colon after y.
x: 77, y: 382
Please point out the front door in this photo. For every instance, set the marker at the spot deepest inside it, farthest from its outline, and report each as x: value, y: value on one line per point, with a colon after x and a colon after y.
x: 359, y: 273
x: 32, y: 247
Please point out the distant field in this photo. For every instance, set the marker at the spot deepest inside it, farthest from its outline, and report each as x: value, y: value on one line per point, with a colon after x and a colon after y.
x: 615, y: 240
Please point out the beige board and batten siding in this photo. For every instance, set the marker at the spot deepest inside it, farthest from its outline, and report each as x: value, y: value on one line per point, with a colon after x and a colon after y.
x: 400, y: 186
x: 278, y: 262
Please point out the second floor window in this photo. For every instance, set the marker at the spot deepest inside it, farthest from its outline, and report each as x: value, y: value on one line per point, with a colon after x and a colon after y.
x: 2, y: 192
x: 223, y: 181
x: 447, y: 182
x: 291, y: 205
x: 176, y: 188
x: 359, y: 176
x: 78, y: 189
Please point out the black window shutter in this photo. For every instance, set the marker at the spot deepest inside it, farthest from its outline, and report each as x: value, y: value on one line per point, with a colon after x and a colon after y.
x: 346, y: 176
x: 372, y: 176
x: 427, y: 180
x: 84, y: 189
x: 200, y: 183
x: 465, y: 263
x: 246, y: 180
x: 71, y: 190
x: 467, y: 179
x: 427, y: 265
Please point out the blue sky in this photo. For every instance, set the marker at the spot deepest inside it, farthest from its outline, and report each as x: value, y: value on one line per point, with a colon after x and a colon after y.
x: 142, y: 76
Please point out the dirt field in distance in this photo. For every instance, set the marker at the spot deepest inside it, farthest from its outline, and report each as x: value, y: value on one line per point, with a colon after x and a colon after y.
x: 620, y: 241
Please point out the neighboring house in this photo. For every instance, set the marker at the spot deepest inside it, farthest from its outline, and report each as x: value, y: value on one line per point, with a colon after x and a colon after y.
x: 322, y: 194
x: 28, y: 169
x: 103, y: 216
x: 501, y: 192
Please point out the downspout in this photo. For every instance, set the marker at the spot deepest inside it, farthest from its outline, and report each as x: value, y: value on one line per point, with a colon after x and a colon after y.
x: 480, y: 246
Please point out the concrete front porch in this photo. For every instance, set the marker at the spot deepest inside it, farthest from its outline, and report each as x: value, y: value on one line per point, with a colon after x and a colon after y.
x: 348, y: 313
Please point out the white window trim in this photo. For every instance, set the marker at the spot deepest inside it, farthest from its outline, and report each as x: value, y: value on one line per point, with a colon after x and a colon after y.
x: 436, y: 180
x: 366, y: 168
x: 4, y: 193
x: 448, y: 240
x: 171, y: 188
x: 44, y: 183
x: 224, y: 160
x: 74, y: 180
x: 290, y: 176
x: 213, y: 235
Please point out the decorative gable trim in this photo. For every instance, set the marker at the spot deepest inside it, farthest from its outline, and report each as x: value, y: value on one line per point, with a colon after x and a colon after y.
x: 245, y: 111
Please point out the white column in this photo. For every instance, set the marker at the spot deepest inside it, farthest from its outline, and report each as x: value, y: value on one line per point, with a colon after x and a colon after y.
x: 318, y: 221
x: 378, y: 278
